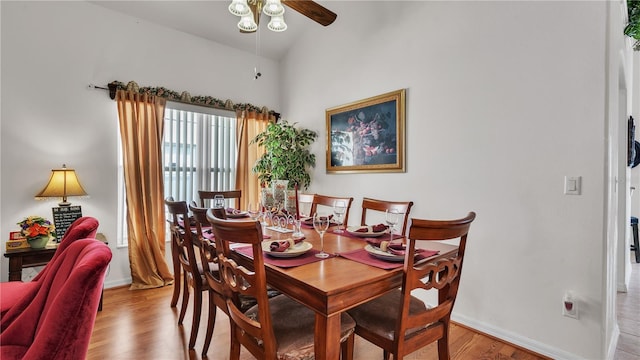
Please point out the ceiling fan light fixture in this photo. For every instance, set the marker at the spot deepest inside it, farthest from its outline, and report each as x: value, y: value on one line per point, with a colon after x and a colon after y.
x: 273, y: 8
x: 277, y: 24
x: 247, y: 23
x: 239, y: 8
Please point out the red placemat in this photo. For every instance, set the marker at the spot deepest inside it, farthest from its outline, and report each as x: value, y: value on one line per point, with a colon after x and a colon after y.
x: 306, y: 258
x: 362, y: 256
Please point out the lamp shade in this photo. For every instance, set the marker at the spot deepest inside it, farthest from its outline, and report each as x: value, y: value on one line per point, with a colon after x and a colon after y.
x: 62, y: 183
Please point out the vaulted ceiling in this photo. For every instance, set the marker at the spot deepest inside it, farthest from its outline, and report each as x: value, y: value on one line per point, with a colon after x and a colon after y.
x: 211, y: 20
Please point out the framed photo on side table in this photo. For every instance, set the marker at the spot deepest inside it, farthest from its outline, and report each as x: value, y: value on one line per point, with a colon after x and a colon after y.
x: 367, y: 135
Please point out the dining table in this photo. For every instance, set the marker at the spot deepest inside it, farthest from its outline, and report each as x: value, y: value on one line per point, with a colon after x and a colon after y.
x: 333, y: 285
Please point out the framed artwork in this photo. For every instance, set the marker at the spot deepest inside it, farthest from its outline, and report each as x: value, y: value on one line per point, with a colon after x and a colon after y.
x: 367, y: 135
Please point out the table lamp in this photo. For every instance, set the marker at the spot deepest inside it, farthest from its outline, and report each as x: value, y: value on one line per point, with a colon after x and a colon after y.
x: 62, y: 183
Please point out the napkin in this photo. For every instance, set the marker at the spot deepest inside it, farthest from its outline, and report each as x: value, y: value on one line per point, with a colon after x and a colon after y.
x: 309, y: 220
x: 233, y: 211
x: 379, y: 228
x: 384, y: 245
x: 283, y: 245
x: 397, y: 249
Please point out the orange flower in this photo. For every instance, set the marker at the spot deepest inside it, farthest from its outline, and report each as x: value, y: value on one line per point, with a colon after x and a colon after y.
x: 35, y: 226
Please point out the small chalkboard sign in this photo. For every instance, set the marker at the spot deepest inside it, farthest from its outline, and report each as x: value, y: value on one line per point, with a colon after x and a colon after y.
x: 63, y: 217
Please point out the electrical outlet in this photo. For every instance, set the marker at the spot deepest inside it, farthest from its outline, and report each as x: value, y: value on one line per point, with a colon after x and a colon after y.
x: 569, y: 306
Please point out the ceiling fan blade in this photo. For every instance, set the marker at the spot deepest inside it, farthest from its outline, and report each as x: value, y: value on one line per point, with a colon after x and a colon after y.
x: 312, y: 10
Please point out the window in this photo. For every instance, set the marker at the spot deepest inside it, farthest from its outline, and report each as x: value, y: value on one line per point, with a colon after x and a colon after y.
x: 199, y: 152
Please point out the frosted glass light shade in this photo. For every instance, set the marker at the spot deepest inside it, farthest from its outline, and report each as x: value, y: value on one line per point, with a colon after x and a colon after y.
x: 247, y: 23
x: 273, y: 8
x: 239, y: 8
x: 277, y: 24
x: 62, y: 183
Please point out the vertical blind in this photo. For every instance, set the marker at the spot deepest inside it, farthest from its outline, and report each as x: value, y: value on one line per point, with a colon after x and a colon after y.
x: 199, y: 153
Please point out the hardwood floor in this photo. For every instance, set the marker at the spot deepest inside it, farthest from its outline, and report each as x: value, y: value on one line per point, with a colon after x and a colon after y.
x: 628, y: 312
x: 140, y: 324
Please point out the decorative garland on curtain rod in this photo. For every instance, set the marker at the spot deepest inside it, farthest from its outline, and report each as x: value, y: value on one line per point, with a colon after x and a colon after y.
x: 186, y: 98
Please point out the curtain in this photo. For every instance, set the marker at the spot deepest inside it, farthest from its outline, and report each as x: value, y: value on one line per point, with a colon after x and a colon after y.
x: 141, y: 119
x: 250, y: 124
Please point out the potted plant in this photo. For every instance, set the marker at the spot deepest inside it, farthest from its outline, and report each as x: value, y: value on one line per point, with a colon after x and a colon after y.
x: 287, y: 155
x: 633, y: 28
x: 37, y: 230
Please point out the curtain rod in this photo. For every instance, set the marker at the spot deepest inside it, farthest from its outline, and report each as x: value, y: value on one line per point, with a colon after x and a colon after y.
x: 111, y: 87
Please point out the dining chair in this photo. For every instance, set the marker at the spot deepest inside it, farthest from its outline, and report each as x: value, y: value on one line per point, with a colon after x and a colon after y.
x: 184, y: 241
x: 210, y: 269
x: 400, y: 323
x: 402, y: 207
x: 206, y: 197
x: 328, y: 201
x: 277, y: 327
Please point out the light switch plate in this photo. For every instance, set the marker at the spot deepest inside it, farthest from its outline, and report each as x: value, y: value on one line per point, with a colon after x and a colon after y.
x: 572, y: 185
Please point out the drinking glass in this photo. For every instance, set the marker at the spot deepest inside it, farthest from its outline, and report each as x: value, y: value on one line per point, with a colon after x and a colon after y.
x: 254, y: 211
x: 218, y: 201
x: 391, y: 217
x: 339, y: 208
x: 321, y: 224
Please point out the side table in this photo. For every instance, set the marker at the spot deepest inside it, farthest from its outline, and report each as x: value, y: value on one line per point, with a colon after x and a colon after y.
x: 25, y: 258
x: 28, y: 257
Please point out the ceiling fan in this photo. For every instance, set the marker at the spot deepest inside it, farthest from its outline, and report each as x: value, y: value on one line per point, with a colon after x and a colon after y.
x: 250, y: 11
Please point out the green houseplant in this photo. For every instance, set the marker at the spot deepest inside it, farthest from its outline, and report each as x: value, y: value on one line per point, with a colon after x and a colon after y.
x: 287, y: 155
x: 633, y: 27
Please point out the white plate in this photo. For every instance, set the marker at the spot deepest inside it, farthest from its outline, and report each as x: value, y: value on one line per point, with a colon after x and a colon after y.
x: 297, y: 250
x: 383, y: 255
x: 352, y: 230
x: 309, y: 220
x: 242, y: 214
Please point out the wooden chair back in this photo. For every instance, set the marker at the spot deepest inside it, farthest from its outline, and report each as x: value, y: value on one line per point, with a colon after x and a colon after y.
x: 402, y: 207
x: 183, y: 243
x: 443, y: 275
x: 328, y: 201
x: 206, y: 198
x: 256, y: 335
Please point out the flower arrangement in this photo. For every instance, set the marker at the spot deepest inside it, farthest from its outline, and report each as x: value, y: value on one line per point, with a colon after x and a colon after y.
x: 36, y: 226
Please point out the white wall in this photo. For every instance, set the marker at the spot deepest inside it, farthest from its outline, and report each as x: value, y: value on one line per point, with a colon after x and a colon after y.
x: 51, y: 52
x: 503, y: 100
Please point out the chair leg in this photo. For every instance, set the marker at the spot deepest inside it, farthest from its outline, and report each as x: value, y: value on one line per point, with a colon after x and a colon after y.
x: 211, y: 322
x: 185, y: 300
x: 347, y: 347
x: 234, y: 351
x: 443, y: 343
x: 636, y: 246
x: 176, y: 281
x: 197, y: 310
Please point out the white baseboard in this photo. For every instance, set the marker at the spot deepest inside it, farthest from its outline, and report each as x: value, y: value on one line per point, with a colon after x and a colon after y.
x: 611, y: 351
x: 117, y: 283
x: 535, y: 346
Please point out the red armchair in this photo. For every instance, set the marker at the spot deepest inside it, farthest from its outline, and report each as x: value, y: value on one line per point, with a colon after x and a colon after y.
x: 55, y: 319
x: 12, y: 291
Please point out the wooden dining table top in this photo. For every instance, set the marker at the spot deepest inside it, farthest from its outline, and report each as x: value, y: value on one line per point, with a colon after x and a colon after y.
x: 335, y: 284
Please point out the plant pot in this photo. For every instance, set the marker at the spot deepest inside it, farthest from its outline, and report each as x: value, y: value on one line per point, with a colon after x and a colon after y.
x: 38, y: 242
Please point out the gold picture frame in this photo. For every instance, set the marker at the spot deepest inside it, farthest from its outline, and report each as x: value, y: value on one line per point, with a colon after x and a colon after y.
x: 367, y: 135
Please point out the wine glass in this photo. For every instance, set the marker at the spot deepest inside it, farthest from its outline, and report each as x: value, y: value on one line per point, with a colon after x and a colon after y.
x: 321, y: 224
x: 339, y: 208
x: 391, y: 217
